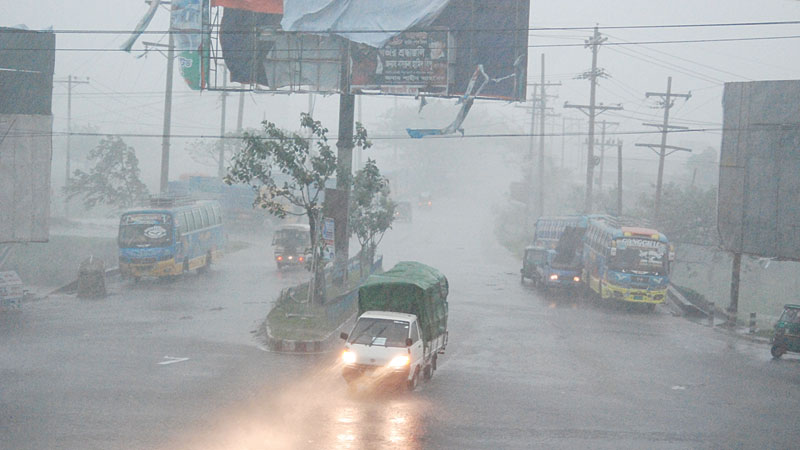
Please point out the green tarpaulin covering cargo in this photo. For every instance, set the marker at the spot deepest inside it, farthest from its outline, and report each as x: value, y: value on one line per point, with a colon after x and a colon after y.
x: 409, y: 287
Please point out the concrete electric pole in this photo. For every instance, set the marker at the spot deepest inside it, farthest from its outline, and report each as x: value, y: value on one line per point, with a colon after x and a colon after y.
x: 667, y: 102
x: 69, y: 82
x: 221, y: 143
x: 592, y: 110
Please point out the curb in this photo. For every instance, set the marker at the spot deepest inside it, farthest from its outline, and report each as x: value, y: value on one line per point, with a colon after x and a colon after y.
x: 327, y: 344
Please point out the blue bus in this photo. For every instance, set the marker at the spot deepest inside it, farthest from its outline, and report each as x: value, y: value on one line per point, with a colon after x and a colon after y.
x: 169, y: 239
x: 548, y: 229
x: 629, y: 264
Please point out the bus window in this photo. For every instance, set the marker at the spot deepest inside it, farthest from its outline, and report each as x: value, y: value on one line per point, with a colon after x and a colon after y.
x: 204, y: 212
x: 198, y: 221
x: 212, y: 216
x: 181, y: 219
x: 218, y: 214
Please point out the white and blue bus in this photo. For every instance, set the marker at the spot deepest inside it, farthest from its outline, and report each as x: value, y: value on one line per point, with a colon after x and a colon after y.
x: 169, y: 239
x: 629, y: 264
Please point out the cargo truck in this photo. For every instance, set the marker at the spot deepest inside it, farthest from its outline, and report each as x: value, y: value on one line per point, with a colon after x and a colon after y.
x: 401, y: 329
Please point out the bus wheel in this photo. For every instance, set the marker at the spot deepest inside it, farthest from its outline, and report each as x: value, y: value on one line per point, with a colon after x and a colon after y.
x: 185, y: 265
x: 777, y: 351
x: 651, y: 307
x: 204, y: 268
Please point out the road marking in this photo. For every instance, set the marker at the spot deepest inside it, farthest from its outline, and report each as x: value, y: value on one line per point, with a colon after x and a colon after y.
x: 172, y: 359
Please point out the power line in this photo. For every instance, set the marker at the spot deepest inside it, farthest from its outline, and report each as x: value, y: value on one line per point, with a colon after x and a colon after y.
x: 509, y: 30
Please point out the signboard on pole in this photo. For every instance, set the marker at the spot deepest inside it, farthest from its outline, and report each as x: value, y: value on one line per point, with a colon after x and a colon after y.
x: 405, y: 47
x: 328, y: 239
x: 190, y: 22
x: 759, y: 191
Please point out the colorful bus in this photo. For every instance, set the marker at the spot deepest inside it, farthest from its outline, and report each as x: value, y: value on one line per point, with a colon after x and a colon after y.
x: 629, y: 264
x: 169, y: 238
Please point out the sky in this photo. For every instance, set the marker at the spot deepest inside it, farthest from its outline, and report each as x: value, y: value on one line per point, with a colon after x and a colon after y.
x: 125, y: 91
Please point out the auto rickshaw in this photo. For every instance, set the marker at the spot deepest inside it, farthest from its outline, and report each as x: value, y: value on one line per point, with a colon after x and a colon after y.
x: 787, y: 332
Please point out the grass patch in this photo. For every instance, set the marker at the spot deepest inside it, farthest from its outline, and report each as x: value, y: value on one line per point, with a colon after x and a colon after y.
x: 293, y: 318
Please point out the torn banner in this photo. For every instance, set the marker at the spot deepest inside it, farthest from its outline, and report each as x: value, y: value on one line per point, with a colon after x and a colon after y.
x: 347, y: 17
x: 141, y: 26
x: 466, y: 104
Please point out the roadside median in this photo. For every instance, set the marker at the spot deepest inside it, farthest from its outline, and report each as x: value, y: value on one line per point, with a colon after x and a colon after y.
x: 295, y: 326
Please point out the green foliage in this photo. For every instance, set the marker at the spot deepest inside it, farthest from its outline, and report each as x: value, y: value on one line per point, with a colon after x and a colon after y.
x: 289, y: 172
x: 688, y: 214
x: 371, y: 210
x: 114, y: 179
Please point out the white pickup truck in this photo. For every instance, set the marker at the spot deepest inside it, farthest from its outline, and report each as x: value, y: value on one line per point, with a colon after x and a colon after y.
x: 402, y: 328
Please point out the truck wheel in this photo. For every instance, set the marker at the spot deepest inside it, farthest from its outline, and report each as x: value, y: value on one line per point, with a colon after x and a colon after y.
x: 433, y: 363
x: 777, y: 351
x: 427, y: 373
x: 412, y: 383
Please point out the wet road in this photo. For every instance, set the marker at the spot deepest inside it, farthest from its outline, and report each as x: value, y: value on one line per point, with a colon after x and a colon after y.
x: 523, y: 370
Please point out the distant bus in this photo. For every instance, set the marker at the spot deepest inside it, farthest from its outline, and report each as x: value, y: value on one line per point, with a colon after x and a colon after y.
x: 548, y: 229
x: 166, y: 240
x: 629, y: 264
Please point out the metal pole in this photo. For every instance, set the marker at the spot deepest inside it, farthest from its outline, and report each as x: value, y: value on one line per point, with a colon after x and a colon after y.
x: 167, y: 117
x: 663, y: 153
x: 752, y: 329
x: 223, y: 96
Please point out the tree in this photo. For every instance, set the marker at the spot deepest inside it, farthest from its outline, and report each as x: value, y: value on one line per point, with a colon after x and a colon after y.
x: 206, y: 151
x: 688, y: 213
x: 289, y: 176
x: 113, y: 180
x: 371, y: 211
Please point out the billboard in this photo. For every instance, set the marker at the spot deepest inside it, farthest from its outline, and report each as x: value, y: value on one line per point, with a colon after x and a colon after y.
x: 27, y: 59
x: 410, y: 47
x: 189, y: 20
x: 26, y: 149
x: 759, y: 187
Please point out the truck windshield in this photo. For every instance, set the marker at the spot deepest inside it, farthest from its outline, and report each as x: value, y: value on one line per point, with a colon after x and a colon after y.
x: 383, y: 332
x: 292, y: 238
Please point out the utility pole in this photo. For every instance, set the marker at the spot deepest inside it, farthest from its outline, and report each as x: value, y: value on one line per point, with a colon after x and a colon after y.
x: 604, y: 124
x: 240, y: 116
x: 575, y: 124
x: 69, y: 81
x: 619, y: 178
x: 667, y: 103
x: 344, y: 170
x: 223, y: 96
x: 164, y: 185
x: 358, y: 156
x: 591, y: 110
x: 529, y: 161
x: 542, y: 116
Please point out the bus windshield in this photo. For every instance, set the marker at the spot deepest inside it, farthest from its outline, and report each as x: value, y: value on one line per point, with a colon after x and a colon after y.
x: 145, y: 231
x: 635, y: 255
x: 292, y: 238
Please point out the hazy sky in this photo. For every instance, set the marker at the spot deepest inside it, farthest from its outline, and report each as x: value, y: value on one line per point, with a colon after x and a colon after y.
x: 125, y: 94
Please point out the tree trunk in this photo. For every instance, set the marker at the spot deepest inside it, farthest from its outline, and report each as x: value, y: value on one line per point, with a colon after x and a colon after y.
x: 317, y: 265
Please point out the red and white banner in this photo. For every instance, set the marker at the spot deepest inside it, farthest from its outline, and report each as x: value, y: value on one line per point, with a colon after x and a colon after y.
x: 261, y: 6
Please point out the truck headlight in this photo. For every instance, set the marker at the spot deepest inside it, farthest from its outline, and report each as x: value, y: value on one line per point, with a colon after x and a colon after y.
x: 399, y: 361
x: 554, y: 277
x: 348, y: 357
x: 576, y: 279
